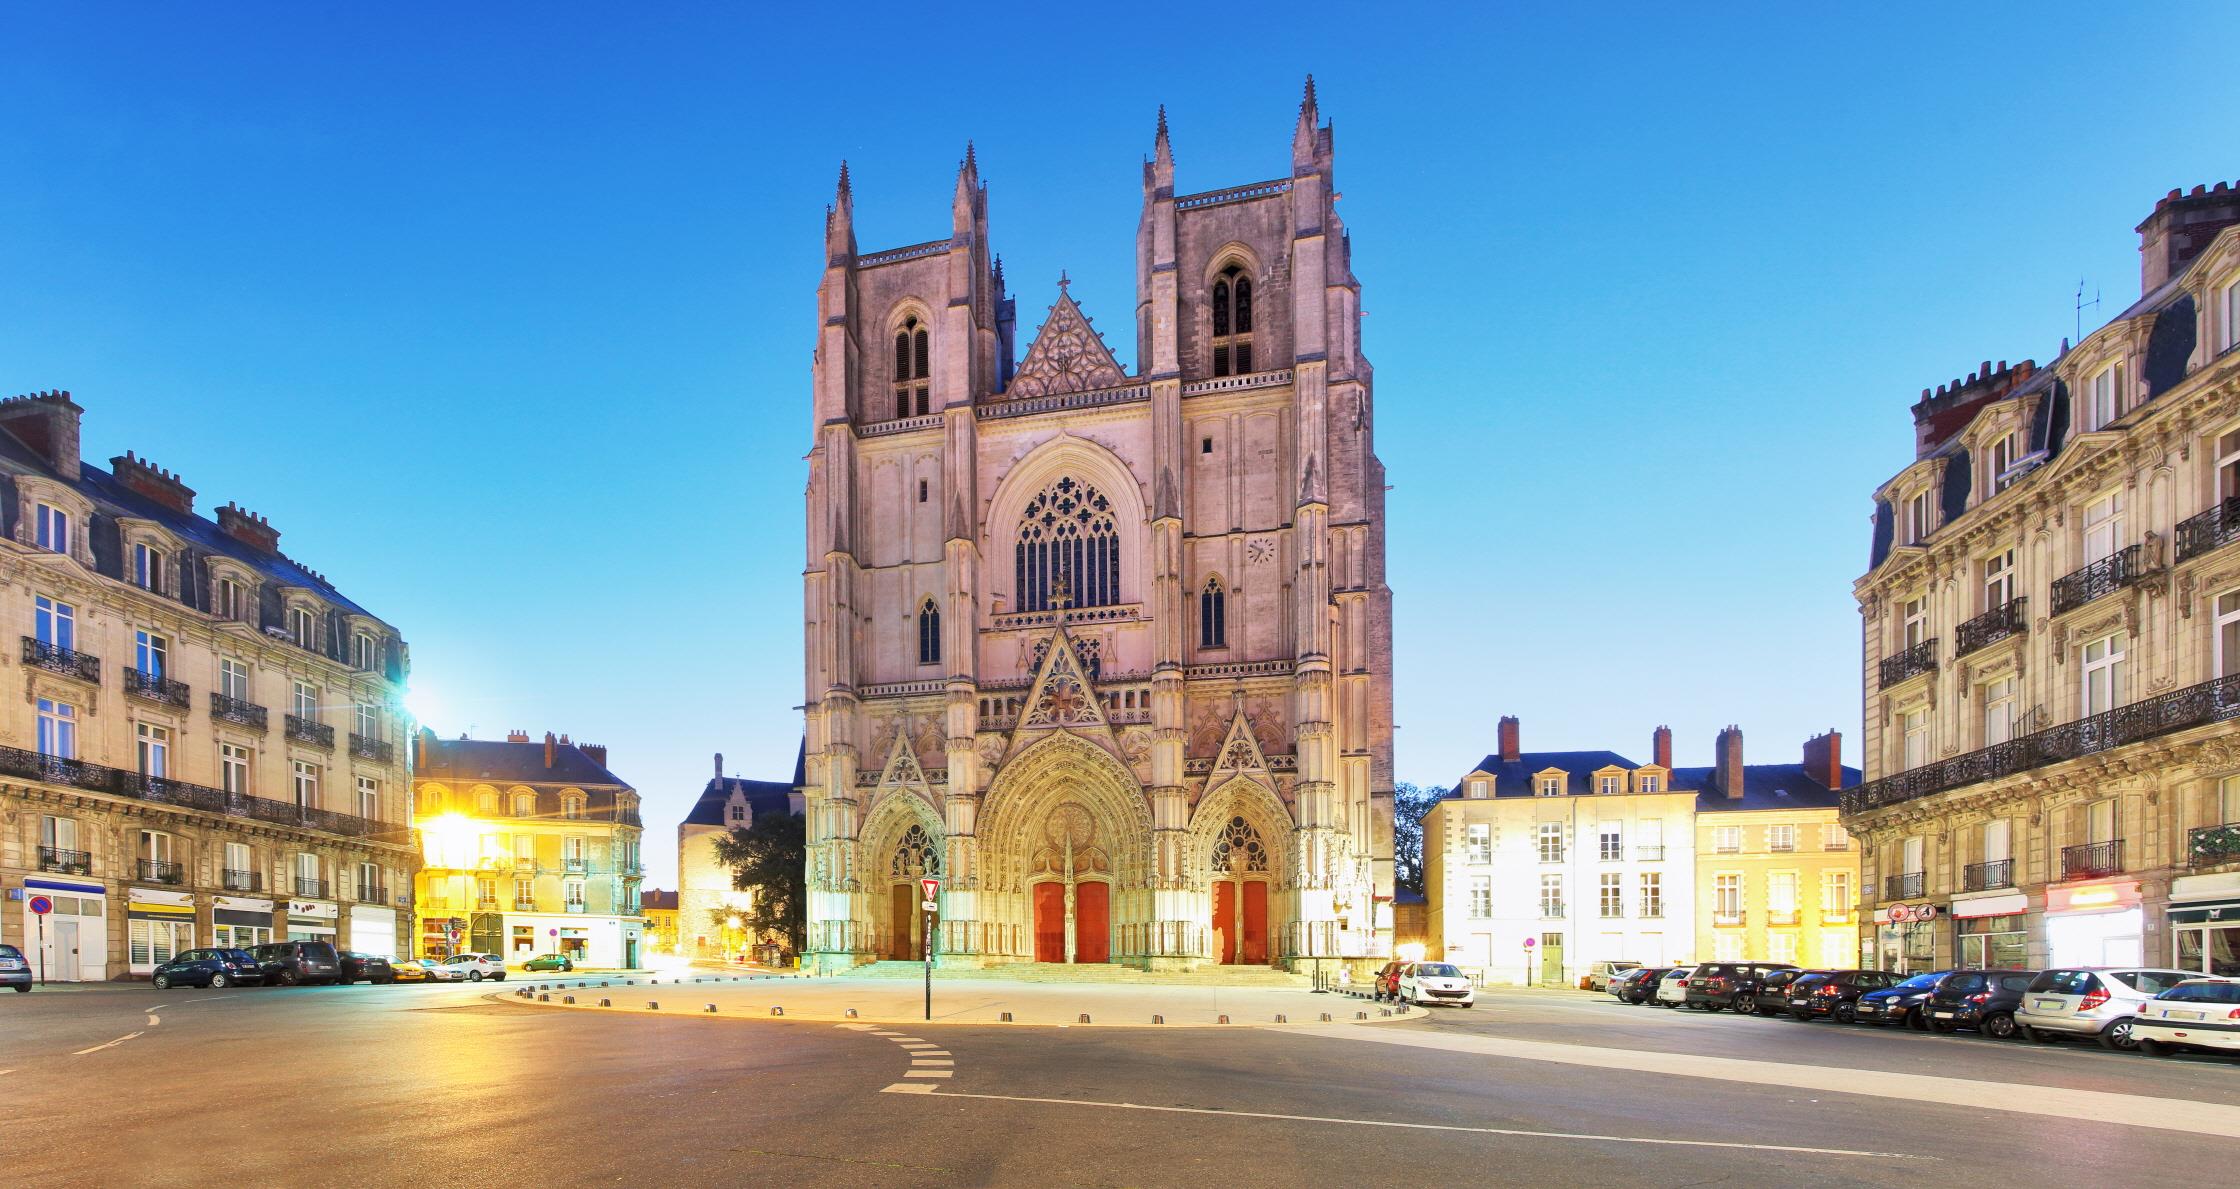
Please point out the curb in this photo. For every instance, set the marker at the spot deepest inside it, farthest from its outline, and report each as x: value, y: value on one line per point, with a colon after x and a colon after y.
x: 785, y: 1015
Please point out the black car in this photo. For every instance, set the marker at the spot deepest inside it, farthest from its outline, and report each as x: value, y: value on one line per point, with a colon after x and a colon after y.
x: 208, y: 968
x: 14, y: 970
x: 371, y: 968
x: 290, y: 962
x: 1901, y: 1003
x: 1771, y: 996
x: 1638, y: 985
x: 1834, y: 994
x: 1980, y: 999
x: 1729, y: 984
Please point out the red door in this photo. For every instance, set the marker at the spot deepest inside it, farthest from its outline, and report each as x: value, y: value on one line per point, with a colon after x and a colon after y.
x: 1225, y: 921
x: 1049, y: 922
x: 1255, y: 923
x: 1092, y: 923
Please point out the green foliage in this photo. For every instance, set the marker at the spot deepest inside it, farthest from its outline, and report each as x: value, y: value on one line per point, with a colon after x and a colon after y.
x: 1409, y: 804
x: 770, y: 858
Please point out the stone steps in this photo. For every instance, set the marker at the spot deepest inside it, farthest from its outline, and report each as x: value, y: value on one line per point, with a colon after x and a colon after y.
x: 1109, y: 973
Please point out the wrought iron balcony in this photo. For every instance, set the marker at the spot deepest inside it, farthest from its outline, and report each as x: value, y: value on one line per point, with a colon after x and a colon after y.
x: 157, y: 688
x: 237, y: 712
x: 2213, y: 844
x: 304, y: 730
x: 244, y: 881
x: 2091, y: 860
x: 30, y: 765
x: 69, y: 862
x: 2104, y: 577
x: 486, y: 904
x: 2178, y: 710
x: 2213, y: 529
x: 1730, y: 920
x: 576, y: 864
x: 372, y: 894
x: 521, y: 905
x: 365, y: 748
x: 66, y: 661
x: 1914, y: 661
x: 1778, y: 917
x: 1904, y: 887
x: 315, y: 888
x: 162, y: 871
x: 578, y: 906
x: 1983, y: 877
x: 2011, y: 618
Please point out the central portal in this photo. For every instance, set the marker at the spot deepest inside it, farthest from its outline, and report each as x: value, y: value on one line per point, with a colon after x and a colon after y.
x: 1072, y: 901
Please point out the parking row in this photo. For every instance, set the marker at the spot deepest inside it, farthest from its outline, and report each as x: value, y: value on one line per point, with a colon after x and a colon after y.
x: 293, y: 963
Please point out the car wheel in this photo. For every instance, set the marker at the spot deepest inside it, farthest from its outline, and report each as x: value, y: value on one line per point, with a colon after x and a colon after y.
x: 474, y: 976
x: 1846, y: 1014
x: 219, y: 982
x: 2155, y: 1048
x: 1916, y: 1021
x: 23, y: 988
x: 163, y: 982
x: 287, y: 978
x: 2118, y: 1036
x: 1999, y: 1025
x: 498, y: 977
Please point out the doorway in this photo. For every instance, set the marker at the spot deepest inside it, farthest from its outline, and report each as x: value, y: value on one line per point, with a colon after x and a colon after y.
x: 1049, y: 921
x: 1240, y: 921
x: 903, y: 931
x: 62, y: 951
x: 1092, y: 922
x: 1551, y: 959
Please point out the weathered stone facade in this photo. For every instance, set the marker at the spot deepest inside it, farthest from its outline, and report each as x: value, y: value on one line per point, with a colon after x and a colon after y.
x: 1109, y: 653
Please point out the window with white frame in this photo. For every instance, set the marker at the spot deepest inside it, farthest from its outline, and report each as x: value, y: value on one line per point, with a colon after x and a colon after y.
x: 147, y: 567
x: 1913, y: 621
x: 571, y: 806
x: 2100, y: 820
x: 304, y: 776
x: 1612, y: 840
x: 1781, y: 947
x: 233, y: 679
x: 2228, y: 302
x: 2103, y: 673
x: 1781, y: 837
x: 369, y: 798
x: 368, y: 716
x: 1726, y: 896
x: 58, y: 833
x: 58, y: 729
x: 307, y: 869
x: 1652, y: 894
x: 1726, y: 840
x: 152, y: 748
x: 1650, y: 782
x: 1606, y: 785
x: 234, y: 762
x: 1834, y: 837
x: 1551, y: 786
x: 239, y: 862
x: 151, y: 653
x: 1648, y: 838
x: 1913, y: 739
x: 1726, y: 947
x: 229, y: 600
x: 524, y: 891
x: 1998, y: 580
x: 51, y: 529
x: 572, y: 892
x: 1481, y: 897
x: 365, y: 651
x: 2103, y: 527
x: 2004, y: 451
x: 2228, y: 465
x: 302, y: 628
x: 1612, y: 891
x: 1998, y: 700
x: 305, y: 699
x: 1477, y: 843
x: 1550, y: 842
x: 1835, y: 893
x: 1551, y: 895
x: 2104, y: 396
x: 1781, y: 895
x: 54, y: 623
x: 1478, y: 790
x: 2227, y: 638
x: 1919, y: 511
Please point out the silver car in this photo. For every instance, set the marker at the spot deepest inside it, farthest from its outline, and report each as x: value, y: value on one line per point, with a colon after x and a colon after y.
x: 2092, y: 1001
x: 1672, y: 989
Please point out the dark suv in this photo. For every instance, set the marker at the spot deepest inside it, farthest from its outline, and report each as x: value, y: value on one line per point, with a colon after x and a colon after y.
x: 290, y: 962
x: 1981, y: 999
x: 1771, y: 996
x: 1729, y: 984
x: 372, y: 968
x: 1834, y: 994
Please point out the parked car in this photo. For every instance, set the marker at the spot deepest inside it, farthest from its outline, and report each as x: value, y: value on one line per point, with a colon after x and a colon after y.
x: 559, y: 962
x: 1435, y: 982
x: 1835, y: 994
x: 2095, y: 1001
x: 1901, y: 1004
x: 290, y: 962
x: 1672, y: 989
x: 14, y: 970
x: 412, y: 970
x: 208, y: 968
x: 1984, y: 1000
x: 472, y: 968
x: 2200, y: 1013
x: 1637, y: 984
x: 1728, y: 984
x: 1386, y: 985
x: 1600, y: 976
x: 372, y: 968
x: 1771, y: 995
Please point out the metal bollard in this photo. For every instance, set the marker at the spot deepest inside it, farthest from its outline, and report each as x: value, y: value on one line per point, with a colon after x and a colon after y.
x: 851, y: 1013
x: 1326, y: 1017
x: 1084, y: 1017
x: 1361, y: 1015
x: 777, y: 1011
x: 1385, y: 1012
x: 1158, y: 1019
x: 544, y: 998
x: 710, y: 1009
x: 1223, y: 1019
x: 605, y: 1002
x: 1282, y: 1019
x: 1007, y: 1017
x: 653, y: 1005
x: 567, y: 999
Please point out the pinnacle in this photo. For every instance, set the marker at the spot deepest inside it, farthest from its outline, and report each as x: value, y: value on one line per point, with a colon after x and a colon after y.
x: 1162, y: 123
x: 1306, y: 105
x: 843, y: 177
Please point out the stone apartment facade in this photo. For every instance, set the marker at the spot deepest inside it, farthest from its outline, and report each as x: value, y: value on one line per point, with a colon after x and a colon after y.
x: 198, y: 733
x: 2051, y: 626
x: 1109, y: 653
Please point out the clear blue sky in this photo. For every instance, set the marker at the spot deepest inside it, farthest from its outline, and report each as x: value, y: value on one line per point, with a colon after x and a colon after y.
x: 504, y: 316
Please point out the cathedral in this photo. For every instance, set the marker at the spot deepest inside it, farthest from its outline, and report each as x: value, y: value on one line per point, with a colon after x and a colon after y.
x: 1107, y: 652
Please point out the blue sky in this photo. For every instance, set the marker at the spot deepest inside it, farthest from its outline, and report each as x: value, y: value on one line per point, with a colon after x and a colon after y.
x: 504, y: 317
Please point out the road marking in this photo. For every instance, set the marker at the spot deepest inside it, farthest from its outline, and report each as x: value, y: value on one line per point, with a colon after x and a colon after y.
x: 1508, y: 1131
x: 5, y: 1072
x: 112, y: 1044
x: 152, y: 1020
x: 931, y: 1061
x: 925, y: 1073
x: 929, y: 1052
x: 2136, y: 1110
x: 908, y: 1088
x: 856, y: 1027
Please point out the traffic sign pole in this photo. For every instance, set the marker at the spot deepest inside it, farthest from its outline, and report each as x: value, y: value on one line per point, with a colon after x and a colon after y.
x: 40, y: 907
x: 929, y: 887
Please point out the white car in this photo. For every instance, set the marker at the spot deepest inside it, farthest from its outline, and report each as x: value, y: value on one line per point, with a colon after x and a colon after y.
x: 2202, y: 1013
x: 1598, y: 978
x: 1435, y: 982
x: 2091, y: 1001
x: 470, y: 968
x: 1672, y: 989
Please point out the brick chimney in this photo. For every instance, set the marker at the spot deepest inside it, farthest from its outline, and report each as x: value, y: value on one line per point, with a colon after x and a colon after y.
x: 719, y: 765
x: 1823, y: 759
x: 1511, y: 747
x: 1727, y: 773
x: 597, y: 752
x: 249, y: 528
x: 48, y: 423
x: 148, y: 479
x: 420, y: 745
x: 517, y: 736
x: 1660, y: 748
x: 551, y: 745
x: 2182, y: 224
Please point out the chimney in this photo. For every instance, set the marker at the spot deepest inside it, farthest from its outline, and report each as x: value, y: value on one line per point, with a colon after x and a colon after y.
x: 1510, y: 747
x: 249, y: 528
x: 550, y: 745
x: 1728, y: 771
x: 1660, y: 748
x: 596, y: 751
x: 719, y: 765
x: 1823, y: 759
x: 48, y: 423
x: 564, y: 739
x: 420, y: 747
x: 2182, y: 224
x: 517, y: 736
x: 148, y: 479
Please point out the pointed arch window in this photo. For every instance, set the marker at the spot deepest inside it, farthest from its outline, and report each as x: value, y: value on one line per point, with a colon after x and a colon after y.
x: 929, y: 633
x: 1213, y: 615
x: 1240, y: 844
x: 917, y: 854
x: 1232, y: 321
x: 912, y: 369
x: 1068, y: 530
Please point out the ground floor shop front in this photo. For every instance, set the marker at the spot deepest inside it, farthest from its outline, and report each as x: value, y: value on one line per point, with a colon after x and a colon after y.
x: 74, y: 929
x: 2191, y: 922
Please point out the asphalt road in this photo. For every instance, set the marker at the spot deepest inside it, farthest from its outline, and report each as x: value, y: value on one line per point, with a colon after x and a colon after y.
x: 124, y: 1086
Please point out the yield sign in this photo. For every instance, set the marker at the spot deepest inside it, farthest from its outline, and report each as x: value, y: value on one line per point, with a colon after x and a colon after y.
x: 929, y: 889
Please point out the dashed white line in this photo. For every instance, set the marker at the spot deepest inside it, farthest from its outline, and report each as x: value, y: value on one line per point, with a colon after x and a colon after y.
x: 112, y: 1044
x: 925, y: 1073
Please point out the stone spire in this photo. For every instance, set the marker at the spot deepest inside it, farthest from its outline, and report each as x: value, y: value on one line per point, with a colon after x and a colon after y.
x: 965, y: 207
x: 1158, y: 173
x: 840, y: 219
x: 1303, y: 134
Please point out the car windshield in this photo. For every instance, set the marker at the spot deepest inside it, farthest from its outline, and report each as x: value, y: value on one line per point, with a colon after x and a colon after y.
x: 9, y: 951
x: 1437, y: 970
x: 2202, y: 992
x: 1920, y: 982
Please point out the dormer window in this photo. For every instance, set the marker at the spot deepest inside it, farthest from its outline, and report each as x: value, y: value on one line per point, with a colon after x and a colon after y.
x: 2104, y: 394
x: 2004, y: 452
x: 1920, y: 514
x: 571, y: 806
x: 229, y: 599
x: 1606, y: 785
x: 1232, y: 322
x: 51, y: 529
x: 739, y: 814
x: 365, y: 651
x: 1650, y: 782
x: 913, y: 365
x: 2228, y: 304
x: 302, y: 627
x: 1478, y: 790
x: 1551, y: 786
x: 147, y: 567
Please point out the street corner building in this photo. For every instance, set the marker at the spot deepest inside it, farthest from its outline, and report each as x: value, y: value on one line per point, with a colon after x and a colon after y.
x: 151, y: 799
x: 1538, y: 865
x: 531, y: 848
x: 1108, y: 653
x: 2051, y: 626
x: 706, y: 901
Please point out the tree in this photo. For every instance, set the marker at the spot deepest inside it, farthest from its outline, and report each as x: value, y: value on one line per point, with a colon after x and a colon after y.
x: 1409, y: 804
x: 770, y: 858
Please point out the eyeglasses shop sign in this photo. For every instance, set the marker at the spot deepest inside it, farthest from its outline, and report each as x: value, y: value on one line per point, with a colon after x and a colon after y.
x: 310, y: 908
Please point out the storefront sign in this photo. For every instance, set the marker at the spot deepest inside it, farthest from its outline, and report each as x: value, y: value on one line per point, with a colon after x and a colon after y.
x: 2213, y: 912
x: 2003, y: 904
x: 2106, y: 897
x: 313, y: 908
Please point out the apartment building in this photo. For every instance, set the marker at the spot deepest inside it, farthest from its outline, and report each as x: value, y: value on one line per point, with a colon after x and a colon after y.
x: 1777, y: 876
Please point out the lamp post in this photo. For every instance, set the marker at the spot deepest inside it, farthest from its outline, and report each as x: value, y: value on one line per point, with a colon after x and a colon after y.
x: 731, y: 926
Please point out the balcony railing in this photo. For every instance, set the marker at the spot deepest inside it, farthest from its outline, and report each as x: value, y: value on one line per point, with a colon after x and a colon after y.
x: 1914, y: 661
x: 236, y: 711
x: 576, y: 864
x: 577, y: 906
x: 2011, y: 618
x: 2104, y: 577
x: 521, y: 905
x: 162, y: 871
x: 486, y: 904
x: 365, y: 748
x: 1779, y: 917
x: 2213, y: 844
x: 304, y: 730
x: 1984, y: 877
x: 30, y: 765
x: 315, y: 888
x: 244, y: 881
x: 2213, y: 529
x: 2178, y: 710
x: 1653, y: 911
x: 2092, y: 859
x: 66, y: 661
x: 1835, y: 916
x: 157, y: 688
x: 1648, y: 853
x: 69, y: 862
x: 1730, y: 920
x: 1904, y: 887
x: 372, y: 894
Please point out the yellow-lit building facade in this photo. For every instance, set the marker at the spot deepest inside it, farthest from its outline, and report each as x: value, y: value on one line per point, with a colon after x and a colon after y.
x: 660, y: 909
x: 1777, y: 876
x: 530, y: 848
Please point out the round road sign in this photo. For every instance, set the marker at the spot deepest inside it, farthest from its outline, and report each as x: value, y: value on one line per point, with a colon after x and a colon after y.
x: 1529, y: 943
x: 41, y: 906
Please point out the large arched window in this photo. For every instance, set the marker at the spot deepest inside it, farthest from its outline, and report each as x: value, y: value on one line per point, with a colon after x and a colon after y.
x: 1239, y: 847
x: 912, y: 366
x: 1068, y: 531
x: 929, y: 633
x: 917, y: 854
x: 1213, y: 615
x: 1232, y: 321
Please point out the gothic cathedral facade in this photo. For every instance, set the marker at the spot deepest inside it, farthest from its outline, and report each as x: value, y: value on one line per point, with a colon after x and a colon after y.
x: 1108, y: 653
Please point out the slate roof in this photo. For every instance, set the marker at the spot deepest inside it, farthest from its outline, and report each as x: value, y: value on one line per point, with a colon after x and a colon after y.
x: 1513, y: 778
x: 456, y: 761
x: 1764, y: 786
x: 657, y: 900
x: 763, y: 796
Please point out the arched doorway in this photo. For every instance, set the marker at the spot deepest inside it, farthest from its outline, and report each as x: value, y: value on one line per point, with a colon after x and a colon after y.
x: 915, y: 854
x: 1072, y: 890
x: 1240, y: 869
x: 1064, y: 857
